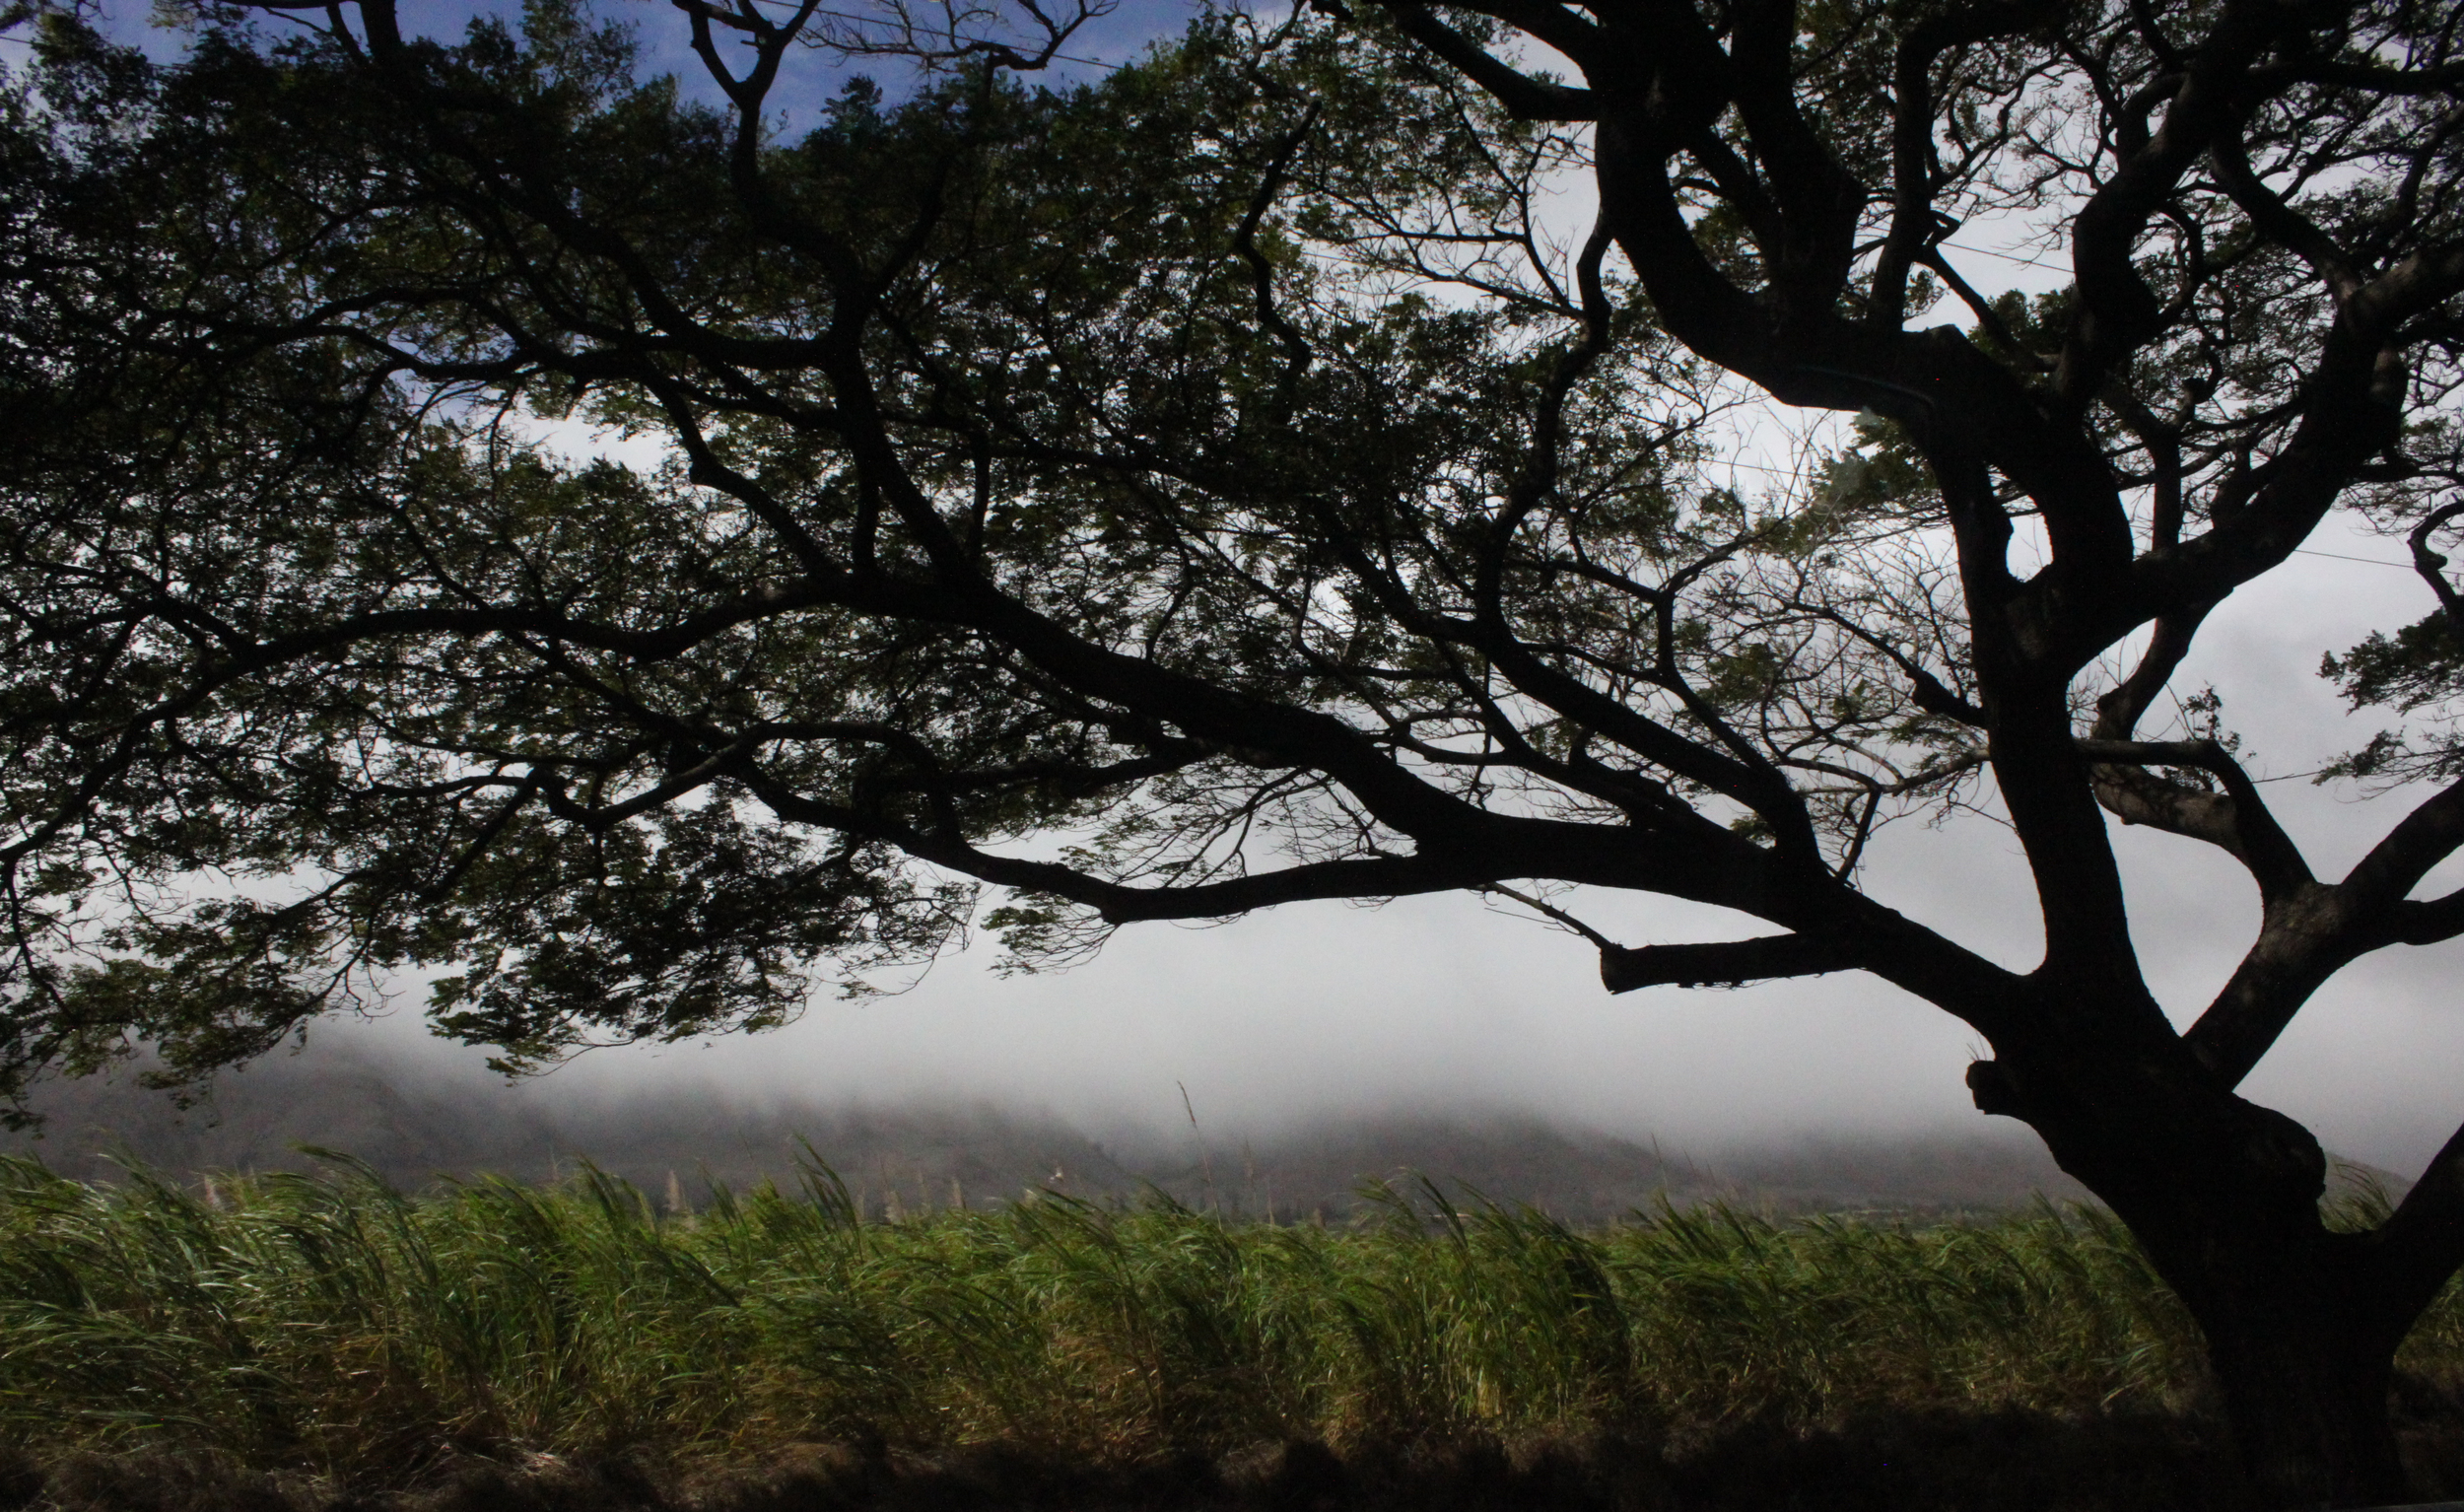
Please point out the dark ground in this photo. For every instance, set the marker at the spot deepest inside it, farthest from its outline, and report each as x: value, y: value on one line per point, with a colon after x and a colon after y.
x: 1909, y: 1462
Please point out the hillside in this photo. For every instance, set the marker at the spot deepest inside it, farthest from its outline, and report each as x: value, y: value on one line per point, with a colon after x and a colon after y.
x: 416, y: 1125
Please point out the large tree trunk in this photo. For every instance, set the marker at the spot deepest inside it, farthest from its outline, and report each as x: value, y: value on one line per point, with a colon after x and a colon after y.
x: 2305, y: 1382
x: 2302, y: 1357
x: 2224, y: 1194
x: 2303, y: 1354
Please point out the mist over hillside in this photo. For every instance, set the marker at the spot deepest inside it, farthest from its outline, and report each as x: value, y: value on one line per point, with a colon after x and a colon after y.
x: 414, y: 1125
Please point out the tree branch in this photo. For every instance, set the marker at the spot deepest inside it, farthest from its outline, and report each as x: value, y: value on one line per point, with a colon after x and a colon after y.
x: 2237, y: 821
x: 1525, y: 98
x: 2414, y: 1253
x: 2431, y: 565
x: 1730, y: 963
x: 1914, y: 227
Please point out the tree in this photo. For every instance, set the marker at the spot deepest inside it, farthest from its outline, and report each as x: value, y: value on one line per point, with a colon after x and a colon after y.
x: 1218, y: 472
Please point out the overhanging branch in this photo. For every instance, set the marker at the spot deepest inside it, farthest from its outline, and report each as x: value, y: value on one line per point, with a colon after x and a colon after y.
x: 1727, y: 963
x: 1523, y: 97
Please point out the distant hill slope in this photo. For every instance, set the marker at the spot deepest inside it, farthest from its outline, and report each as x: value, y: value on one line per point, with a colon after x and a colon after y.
x: 415, y: 1126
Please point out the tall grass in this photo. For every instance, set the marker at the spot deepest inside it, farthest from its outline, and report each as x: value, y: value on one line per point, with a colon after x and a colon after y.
x: 330, y: 1324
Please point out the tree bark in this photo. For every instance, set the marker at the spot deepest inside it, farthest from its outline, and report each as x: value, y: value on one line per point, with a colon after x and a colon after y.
x: 2223, y: 1196
x: 2306, y: 1394
x: 2303, y: 1354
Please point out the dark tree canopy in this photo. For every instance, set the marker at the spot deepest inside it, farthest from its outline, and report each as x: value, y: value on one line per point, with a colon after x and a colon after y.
x: 1218, y: 485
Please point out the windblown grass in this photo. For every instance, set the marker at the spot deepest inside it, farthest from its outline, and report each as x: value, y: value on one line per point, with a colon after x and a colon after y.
x: 333, y: 1324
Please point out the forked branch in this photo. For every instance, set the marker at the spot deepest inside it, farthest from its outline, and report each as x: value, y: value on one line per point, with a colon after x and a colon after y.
x: 2237, y: 821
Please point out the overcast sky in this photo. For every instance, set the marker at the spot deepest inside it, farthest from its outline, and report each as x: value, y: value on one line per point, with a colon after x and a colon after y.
x: 1327, y: 1009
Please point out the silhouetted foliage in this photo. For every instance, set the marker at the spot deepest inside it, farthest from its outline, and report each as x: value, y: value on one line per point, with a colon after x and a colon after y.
x: 1211, y: 486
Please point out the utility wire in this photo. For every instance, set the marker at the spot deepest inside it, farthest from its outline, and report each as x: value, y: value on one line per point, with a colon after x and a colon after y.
x: 2402, y: 567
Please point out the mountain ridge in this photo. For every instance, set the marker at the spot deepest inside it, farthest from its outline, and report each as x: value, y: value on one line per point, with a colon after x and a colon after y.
x: 413, y: 1127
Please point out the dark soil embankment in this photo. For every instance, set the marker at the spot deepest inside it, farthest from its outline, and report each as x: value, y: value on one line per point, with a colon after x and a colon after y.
x: 2005, y: 1462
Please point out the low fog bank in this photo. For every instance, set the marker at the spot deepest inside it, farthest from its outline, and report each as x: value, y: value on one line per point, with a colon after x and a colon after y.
x: 417, y: 1123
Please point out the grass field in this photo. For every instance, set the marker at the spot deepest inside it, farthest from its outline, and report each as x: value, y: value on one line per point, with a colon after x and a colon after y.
x: 329, y: 1326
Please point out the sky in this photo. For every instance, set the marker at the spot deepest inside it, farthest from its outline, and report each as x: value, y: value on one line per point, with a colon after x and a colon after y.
x: 1443, y: 1003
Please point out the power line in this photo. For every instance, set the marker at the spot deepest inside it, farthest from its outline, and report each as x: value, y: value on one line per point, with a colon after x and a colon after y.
x: 2402, y: 567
